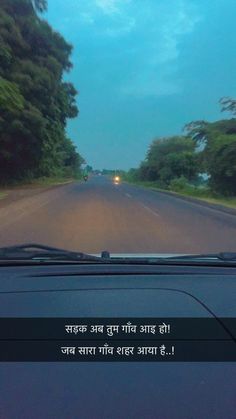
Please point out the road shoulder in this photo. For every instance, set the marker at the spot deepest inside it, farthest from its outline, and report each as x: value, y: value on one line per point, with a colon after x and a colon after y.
x: 15, y: 194
x: 194, y: 200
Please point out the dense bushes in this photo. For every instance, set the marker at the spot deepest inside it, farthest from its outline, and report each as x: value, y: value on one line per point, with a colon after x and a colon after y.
x: 169, y: 158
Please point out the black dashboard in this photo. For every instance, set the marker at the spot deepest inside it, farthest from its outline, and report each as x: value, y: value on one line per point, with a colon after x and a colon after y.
x: 118, y: 390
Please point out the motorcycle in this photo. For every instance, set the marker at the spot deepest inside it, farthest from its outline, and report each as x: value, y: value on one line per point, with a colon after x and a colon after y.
x: 116, y: 180
x: 85, y: 178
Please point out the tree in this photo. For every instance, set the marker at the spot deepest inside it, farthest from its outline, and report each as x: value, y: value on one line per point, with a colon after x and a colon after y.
x: 222, y: 164
x: 11, y: 99
x: 35, y: 102
x: 228, y: 104
x: 218, y: 153
x: 88, y: 169
x: 169, y: 158
x: 40, y: 5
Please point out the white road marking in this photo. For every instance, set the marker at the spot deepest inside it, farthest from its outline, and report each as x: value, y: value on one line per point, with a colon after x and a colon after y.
x: 150, y: 210
x: 128, y: 195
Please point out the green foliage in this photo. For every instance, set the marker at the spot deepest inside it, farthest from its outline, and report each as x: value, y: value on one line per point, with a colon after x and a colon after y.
x: 222, y: 164
x: 228, y: 104
x: 35, y: 103
x: 178, y: 184
x: 108, y: 172
x: 132, y: 175
x: 40, y: 5
x: 72, y: 160
x: 176, y: 163
x: 218, y: 154
x: 169, y: 158
x: 10, y: 98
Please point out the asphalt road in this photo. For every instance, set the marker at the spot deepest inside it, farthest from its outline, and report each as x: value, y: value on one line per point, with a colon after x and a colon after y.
x: 98, y: 215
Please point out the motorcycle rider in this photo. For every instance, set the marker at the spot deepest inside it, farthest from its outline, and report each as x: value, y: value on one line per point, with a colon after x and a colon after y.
x: 85, y: 175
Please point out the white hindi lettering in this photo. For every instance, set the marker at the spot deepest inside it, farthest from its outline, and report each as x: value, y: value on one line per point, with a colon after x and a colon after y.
x: 152, y: 350
x: 125, y: 350
x: 69, y: 328
x: 147, y: 350
x: 82, y: 328
x: 87, y: 350
x: 111, y: 329
x: 97, y: 328
x: 148, y: 328
x: 162, y: 350
x: 129, y: 328
x: 66, y: 350
x: 75, y: 328
x: 164, y: 328
x: 106, y: 349
x: 142, y: 350
x: 92, y: 350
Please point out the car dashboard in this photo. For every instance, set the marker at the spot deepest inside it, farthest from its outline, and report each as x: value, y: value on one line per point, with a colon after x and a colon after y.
x: 118, y: 389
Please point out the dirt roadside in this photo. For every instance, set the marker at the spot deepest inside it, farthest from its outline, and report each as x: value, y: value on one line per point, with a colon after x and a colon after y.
x: 14, y: 194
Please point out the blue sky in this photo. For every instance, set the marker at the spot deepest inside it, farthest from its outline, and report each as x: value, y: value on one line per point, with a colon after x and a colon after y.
x: 143, y: 69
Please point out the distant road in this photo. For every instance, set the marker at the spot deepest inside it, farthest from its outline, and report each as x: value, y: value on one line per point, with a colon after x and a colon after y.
x: 98, y: 215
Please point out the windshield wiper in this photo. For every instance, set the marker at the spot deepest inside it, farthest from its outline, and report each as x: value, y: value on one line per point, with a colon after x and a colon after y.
x: 224, y: 257
x: 185, y: 259
x: 38, y: 252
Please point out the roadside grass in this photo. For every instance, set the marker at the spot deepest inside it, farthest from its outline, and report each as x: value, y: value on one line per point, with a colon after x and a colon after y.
x: 12, y: 188
x: 3, y: 195
x: 48, y: 181
x: 42, y: 182
x: 201, y: 193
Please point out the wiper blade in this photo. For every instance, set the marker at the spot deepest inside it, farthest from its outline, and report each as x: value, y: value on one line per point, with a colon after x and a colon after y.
x: 205, y: 258
x: 39, y: 252
x: 223, y: 256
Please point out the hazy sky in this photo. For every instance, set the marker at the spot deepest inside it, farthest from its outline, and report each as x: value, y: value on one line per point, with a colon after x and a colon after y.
x: 144, y: 68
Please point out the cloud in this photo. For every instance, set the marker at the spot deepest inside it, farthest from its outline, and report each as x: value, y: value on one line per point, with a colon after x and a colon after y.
x: 151, y: 85
x: 110, y: 18
x: 146, y: 60
x: 160, y: 48
x: 125, y: 27
x: 111, y: 6
x: 175, y: 27
x: 87, y: 18
x: 118, y: 19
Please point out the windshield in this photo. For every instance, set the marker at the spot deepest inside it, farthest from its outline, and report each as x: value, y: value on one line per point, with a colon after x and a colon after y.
x: 118, y: 125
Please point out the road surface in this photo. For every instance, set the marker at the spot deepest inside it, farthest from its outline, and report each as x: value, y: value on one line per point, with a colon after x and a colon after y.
x: 98, y: 215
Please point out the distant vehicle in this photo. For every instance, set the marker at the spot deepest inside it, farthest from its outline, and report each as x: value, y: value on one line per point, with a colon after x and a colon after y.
x: 116, y: 180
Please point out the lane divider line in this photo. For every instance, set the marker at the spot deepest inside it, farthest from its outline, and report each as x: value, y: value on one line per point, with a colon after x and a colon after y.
x: 150, y: 210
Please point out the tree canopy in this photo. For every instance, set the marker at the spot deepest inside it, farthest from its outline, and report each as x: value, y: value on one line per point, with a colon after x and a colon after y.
x: 169, y: 158
x: 218, y: 153
x: 35, y: 102
x: 207, y: 147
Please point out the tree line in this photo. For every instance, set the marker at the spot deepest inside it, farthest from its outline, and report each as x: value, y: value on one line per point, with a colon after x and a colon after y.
x: 206, y: 148
x: 35, y: 101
